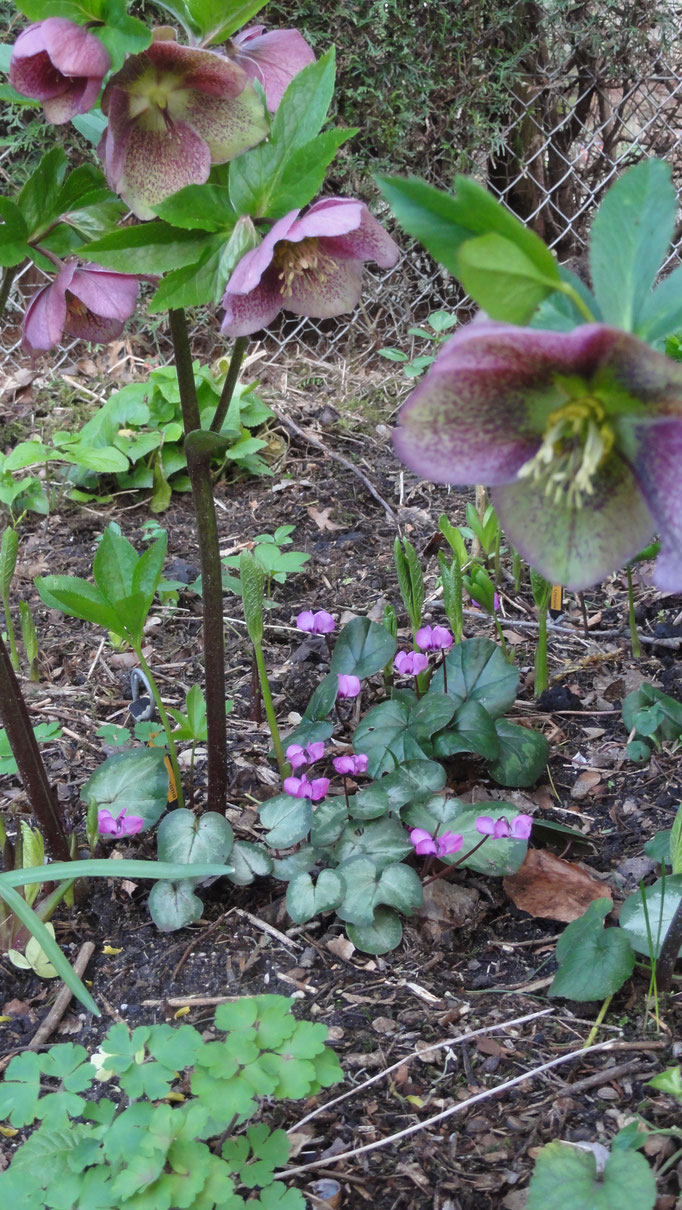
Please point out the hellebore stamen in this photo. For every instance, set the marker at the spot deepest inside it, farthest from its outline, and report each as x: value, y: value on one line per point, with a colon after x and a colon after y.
x: 576, y: 441
x: 302, y: 259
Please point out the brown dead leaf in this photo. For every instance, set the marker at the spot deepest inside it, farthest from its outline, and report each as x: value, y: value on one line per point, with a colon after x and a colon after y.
x: 553, y: 889
x: 446, y: 907
x: 584, y: 784
x: 341, y: 947
x: 321, y: 518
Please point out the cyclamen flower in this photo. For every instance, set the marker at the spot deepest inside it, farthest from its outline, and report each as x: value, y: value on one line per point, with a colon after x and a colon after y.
x: 297, y: 756
x: 315, y: 623
x: 434, y: 638
x: 440, y: 846
x: 61, y: 65
x: 352, y: 765
x: 578, y: 433
x: 173, y: 111
x: 410, y: 663
x: 310, y: 266
x: 118, y: 825
x: 300, y: 787
x: 273, y: 58
x: 500, y: 829
x: 349, y: 686
x: 83, y: 301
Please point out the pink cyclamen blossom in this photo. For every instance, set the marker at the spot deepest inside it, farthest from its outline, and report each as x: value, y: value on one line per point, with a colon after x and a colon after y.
x: 297, y: 756
x: 310, y: 265
x: 439, y: 846
x: 273, y: 59
x: 352, y: 765
x: 500, y: 829
x: 349, y: 686
x: 315, y: 623
x: 173, y: 111
x: 496, y: 602
x: 84, y: 301
x: 410, y: 663
x: 300, y: 787
x: 60, y: 64
x: 434, y: 638
x: 118, y: 825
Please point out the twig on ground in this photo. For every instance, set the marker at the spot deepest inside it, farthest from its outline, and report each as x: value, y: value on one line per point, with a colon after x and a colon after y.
x: 350, y: 466
x: 64, y: 997
x: 267, y: 928
x: 607, y: 1073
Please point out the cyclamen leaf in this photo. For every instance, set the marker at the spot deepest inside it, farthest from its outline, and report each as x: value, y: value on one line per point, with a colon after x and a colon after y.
x: 567, y: 1176
x: 594, y: 962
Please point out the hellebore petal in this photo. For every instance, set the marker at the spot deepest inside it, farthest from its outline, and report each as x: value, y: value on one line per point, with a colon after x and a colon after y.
x: 84, y: 301
x: 349, y: 686
x: 574, y: 431
x: 173, y: 111
x: 310, y: 265
x: 61, y: 65
x: 273, y: 59
x: 423, y: 842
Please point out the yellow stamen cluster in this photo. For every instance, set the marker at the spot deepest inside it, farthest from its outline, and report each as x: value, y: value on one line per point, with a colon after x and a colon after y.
x: 304, y: 259
x: 577, y: 439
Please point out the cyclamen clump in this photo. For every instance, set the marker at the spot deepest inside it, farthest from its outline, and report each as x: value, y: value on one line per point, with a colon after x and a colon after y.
x: 118, y: 825
x: 410, y: 663
x: 501, y: 829
x: 315, y: 623
x: 439, y: 846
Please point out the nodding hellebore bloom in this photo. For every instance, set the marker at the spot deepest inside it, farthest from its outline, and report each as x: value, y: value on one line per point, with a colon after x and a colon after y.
x: 315, y: 623
x: 439, y: 846
x: 501, y: 829
x: 310, y: 265
x: 579, y: 435
x: 84, y: 301
x: 173, y: 111
x: 118, y: 825
x: 61, y: 65
x: 273, y: 59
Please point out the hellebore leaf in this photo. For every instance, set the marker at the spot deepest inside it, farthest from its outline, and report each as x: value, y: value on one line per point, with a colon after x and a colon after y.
x: 522, y: 756
x: 305, y: 898
x: 502, y: 279
x: 13, y: 235
x: 136, y: 781
x: 153, y: 247
x: 199, y: 207
x: 565, y: 1176
x: 38, y: 197
x: 383, y: 934
x: 304, y: 173
x: 661, y: 312
x: 630, y: 236
x: 201, y: 282
x: 211, y: 22
x: 593, y: 961
x: 559, y: 313
x: 661, y: 900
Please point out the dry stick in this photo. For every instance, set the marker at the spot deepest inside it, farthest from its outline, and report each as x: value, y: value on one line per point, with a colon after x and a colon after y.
x: 350, y: 466
x: 418, y: 1054
x: 47, y: 1027
x: 284, y: 1174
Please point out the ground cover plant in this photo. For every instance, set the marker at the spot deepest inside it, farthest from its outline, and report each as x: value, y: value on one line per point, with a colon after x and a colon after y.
x: 562, y: 398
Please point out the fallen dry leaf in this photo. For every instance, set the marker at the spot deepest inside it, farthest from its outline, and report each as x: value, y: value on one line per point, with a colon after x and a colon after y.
x: 321, y: 518
x: 341, y: 947
x: 554, y: 889
x: 584, y: 784
x: 447, y: 906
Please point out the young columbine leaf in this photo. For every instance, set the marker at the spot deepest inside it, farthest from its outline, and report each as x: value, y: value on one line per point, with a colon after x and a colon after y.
x: 594, y: 962
x: 566, y: 1175
x: 20, y: 1089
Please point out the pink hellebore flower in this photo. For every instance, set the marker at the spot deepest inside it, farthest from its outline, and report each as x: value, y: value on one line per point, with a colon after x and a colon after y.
x: 351, y: 764
x: 300, y: 787
x: 500, y: 829
x: 310, y: 265
x: 61, y: 65
x: 440, y: 846
x: 315, y: 623
x: 173, y: 111
x: 410, y: 663
x: 434, y: 638
x: 578, y: 433
x: 83, y: 301
x: 349, y: 686
x: 297, y: 756
x: 118, y: 825
x: 273, y: 59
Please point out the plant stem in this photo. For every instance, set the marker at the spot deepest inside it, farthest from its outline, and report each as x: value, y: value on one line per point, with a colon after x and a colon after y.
x: 455, y: 864
x: 577, y: 301
x: 14, y: 655
x: 634, y: 637
x: 199, y: 468
x: 172, y: 750
x: 229, y: 384
x: 15, y: 719
x: 6, y: 285
x: 541, y: 673
x: 665, y: 965
x: 270, y: 711
x: 600, y: 1017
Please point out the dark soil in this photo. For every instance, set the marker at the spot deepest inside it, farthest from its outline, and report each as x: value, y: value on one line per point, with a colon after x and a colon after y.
x: 442, y: 982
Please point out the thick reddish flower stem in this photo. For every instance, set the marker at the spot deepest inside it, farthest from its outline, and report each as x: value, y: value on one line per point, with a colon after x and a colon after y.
x: 229, y: 384
x: 15, y: 719
x: 665, y: 965
x: 199, y: 468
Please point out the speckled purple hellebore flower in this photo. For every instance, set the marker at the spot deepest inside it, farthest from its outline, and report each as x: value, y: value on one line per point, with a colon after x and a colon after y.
x: 61, y: 65
x: 410, y: 663
x: 320, y: 622
x: 84, y: 301
x: 310, y: 265
x: 173, y: 111
x: 273, y: 58
x: 118, y: 825
x: 579, y: 435
x: 349, y: 686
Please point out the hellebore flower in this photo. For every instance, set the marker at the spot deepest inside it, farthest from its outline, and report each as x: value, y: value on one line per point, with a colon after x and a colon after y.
x: 440, y: 846
x: 300, y: 787
x: 61, y: 65
x: 121, y: 825
x: 310, y: 266
x: 315, y: 623
x: 351, y: 764
x: 349, y: 686
x: 273, y: 59
x: 83, y: 301
x: 297, y: 756
x: 410, y: 663
x: 173, y: 111
x: 500, y: 829
x: 578, y: 433
x: 434, y: 638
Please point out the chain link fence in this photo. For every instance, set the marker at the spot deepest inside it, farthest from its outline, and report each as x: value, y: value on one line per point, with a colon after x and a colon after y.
x: 571, y: 121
